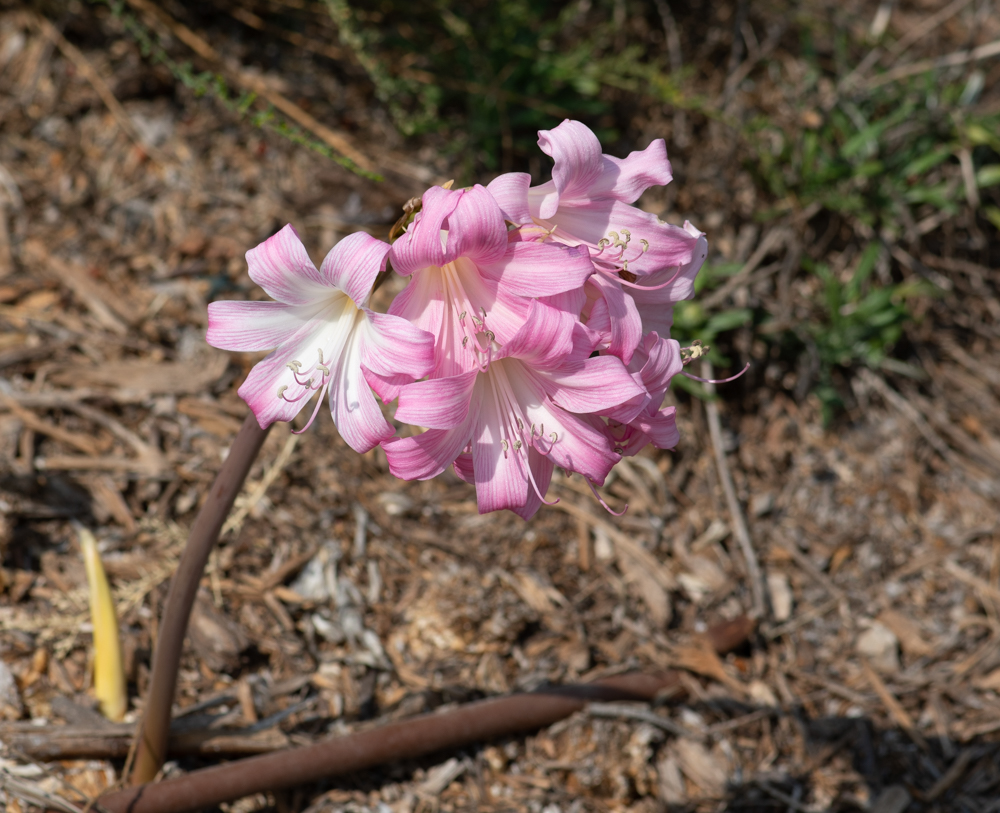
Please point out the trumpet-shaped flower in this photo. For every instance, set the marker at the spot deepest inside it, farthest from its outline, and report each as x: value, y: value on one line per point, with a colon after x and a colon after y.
x: 325, y: 337
x: 587, y: 203
x: 466, y: 270
x: 520, y: 411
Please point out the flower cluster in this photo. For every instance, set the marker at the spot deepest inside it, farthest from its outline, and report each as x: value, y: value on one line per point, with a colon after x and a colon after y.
x: 533, y: 332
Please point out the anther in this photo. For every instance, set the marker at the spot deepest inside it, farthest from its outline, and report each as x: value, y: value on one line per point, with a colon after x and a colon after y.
x: 503, y: 444
x: 294, y: 365
x: 645, y: 245
x: 465, y: 341
x: 517, y: 445
x: 281, y: 390
x: 462, y: 315
x: 553, y: 437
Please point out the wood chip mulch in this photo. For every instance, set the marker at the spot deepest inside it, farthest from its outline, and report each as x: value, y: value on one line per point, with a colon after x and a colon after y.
x: 340, y: 597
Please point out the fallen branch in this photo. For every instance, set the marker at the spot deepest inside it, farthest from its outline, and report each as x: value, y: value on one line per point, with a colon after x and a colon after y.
x: 112, y: 741
x: 408, y: 739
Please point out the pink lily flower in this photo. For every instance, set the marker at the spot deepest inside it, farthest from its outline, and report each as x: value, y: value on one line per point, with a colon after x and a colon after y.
x: 522, y: 410
x: 466, y: 269
x: 325, y: 337
x: 587, y: 203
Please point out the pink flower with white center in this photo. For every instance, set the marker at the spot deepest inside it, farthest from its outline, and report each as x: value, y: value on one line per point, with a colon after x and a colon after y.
x: 587, y: 203
x: 465, y: 268
x: 519, y: 412
x: 325, y: 337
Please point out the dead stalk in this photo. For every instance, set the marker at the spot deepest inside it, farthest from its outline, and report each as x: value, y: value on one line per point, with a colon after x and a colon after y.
x: 154, y: 727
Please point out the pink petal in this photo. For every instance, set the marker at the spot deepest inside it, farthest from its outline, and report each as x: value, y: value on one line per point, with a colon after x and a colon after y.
x: 272, y: 375
x: 578, y: 446
x: 654, y: 306
x: 540, y: 269
x: 281, y: 266
x: 591, y: 222
x: 661, y: 428
x: 578, y: 163
x: 476, y: 228
x: 615, y: 316
x: 510, y: 191
x: 474, y: 224
x: 355, y: 412
x: 353, y: 264
x: 662, y: 362
x: 391, y: 346
x: 428, y: 304
x: 250, y: 326
x: 601, y: 385
x: 541, y: 470
x: 464, y: 468
x: 428, y: 454
x: 501, y: 481
x: 439, y: 403
x: 548, y: 339
x: 625, y: 179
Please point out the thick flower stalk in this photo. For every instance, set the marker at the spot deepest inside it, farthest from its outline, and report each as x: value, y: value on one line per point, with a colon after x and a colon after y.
x: 326, y: 339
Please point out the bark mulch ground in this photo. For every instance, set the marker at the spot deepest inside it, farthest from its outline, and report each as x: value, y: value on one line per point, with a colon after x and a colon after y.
x: 340, y: 597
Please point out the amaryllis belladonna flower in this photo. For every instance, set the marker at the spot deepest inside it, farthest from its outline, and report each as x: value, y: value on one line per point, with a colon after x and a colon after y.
x: 587, y: 203
x: 324, y: 335
x: 465, y: 268
x: 519, y: 412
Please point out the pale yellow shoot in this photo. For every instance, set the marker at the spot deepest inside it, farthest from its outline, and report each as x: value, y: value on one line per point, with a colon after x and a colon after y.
x: 109, y: 674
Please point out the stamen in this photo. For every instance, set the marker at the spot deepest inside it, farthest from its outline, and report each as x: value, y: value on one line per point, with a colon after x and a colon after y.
x: 717, y: 380
x: 600, y: 499
x: 534, y: 485
x: 315, y: 412
x: 298, y: 397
